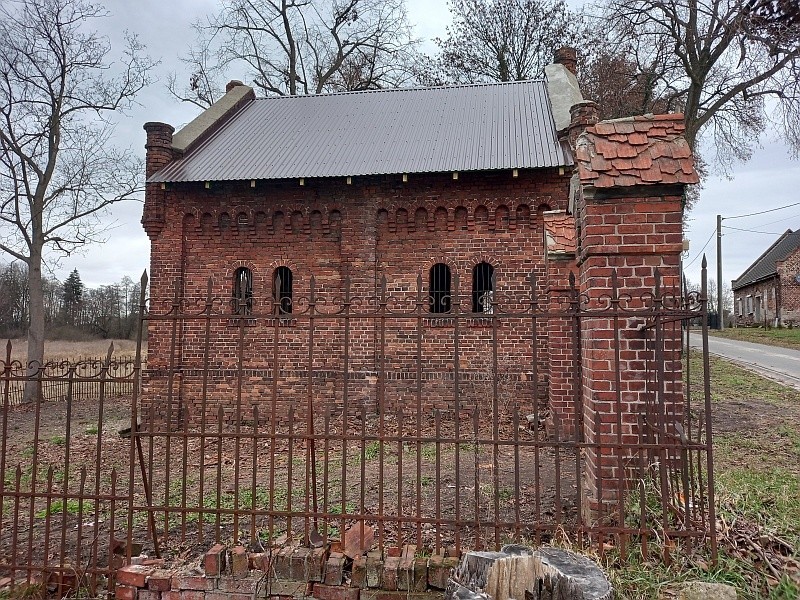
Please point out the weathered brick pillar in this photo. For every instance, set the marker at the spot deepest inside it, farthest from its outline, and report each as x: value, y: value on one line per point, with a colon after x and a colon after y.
x: 628, y: 203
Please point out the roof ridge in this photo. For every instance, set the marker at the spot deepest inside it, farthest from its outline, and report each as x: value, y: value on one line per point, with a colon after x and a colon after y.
x: 405, y: 89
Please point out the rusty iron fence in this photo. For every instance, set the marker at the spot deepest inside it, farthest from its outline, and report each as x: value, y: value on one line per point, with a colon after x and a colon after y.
x: 358, y: 412
x: 79, y: 379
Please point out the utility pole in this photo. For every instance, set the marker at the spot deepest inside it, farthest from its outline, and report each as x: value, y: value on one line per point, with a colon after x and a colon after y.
x: 720, y: 319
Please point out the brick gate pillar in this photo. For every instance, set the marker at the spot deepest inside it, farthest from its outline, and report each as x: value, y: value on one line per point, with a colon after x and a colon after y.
x: 628, y: 196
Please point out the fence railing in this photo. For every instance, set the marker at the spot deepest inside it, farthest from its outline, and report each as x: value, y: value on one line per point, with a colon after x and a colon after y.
x: 366, y: 416
x: 79, y: 378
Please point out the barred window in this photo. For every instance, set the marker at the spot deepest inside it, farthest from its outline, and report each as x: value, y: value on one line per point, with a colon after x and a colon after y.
x: 243, y: 291
x: 482, y: 288
x: 439, y: 281
x: 282, y: 290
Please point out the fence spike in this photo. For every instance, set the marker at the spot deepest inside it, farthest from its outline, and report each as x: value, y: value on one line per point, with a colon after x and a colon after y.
x: 109, y: 353
x: 657, y: 275
x: 532, y: 281
x: 383, y: 287
x: 614, y: 285
x: 312, y: 288
x: 572, y: 280
x: 142, y: 290
x: 8, y: 352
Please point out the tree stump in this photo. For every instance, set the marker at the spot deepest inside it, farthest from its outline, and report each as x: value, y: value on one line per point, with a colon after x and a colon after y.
x: 521, y: 573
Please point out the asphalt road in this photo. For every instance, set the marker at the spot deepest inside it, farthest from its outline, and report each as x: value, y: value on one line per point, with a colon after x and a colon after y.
x: 780, y: 364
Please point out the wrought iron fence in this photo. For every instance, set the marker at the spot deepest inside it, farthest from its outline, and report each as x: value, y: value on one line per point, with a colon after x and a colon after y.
x: 366, y: 414
x: 79, y: 379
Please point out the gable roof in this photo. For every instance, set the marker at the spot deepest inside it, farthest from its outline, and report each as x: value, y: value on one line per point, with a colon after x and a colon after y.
x: 765, y: 266
x: 420, y: 130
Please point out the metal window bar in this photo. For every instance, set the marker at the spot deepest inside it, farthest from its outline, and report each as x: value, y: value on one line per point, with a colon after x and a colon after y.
x: 243, y: 291
x: 440, y: 295
x: 482, y: 288
x: 282, y: 290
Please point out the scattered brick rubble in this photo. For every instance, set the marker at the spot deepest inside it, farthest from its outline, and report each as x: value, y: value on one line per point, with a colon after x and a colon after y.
x: 291, y: 572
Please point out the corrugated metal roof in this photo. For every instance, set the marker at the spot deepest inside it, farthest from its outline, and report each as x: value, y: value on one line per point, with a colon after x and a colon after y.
x: 421, y: 130
x: 765, y: 265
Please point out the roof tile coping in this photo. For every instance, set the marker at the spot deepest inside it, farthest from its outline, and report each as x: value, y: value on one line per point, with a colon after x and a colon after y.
x: 210, y: 119
x: 559, y: 230
x: 640, y: 150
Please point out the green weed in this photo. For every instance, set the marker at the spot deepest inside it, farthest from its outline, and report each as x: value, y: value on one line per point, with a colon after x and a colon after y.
x: 70, y: 506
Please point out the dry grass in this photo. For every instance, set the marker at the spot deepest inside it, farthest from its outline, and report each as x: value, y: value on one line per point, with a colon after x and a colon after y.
x: 73, y: 351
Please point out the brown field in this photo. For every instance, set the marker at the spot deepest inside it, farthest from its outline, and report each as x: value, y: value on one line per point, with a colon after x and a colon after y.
x: 58, y: 350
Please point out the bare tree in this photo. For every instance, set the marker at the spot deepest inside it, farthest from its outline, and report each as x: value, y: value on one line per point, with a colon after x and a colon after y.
x: 58, y: 168
x: 292, y: 47
x: 622, y: 88
x: 732, y: 65
x: 506, y: 40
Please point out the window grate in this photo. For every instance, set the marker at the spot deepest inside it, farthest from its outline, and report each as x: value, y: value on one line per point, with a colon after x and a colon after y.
x: 243, y: 291
x: 482, y: 288
x: 282, y: 291
x: 439, y: 284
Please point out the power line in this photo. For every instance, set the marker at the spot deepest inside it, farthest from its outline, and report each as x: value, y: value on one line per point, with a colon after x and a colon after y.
x: 753, y: 230
x: 763, y: 211
x: 699, y: 254
x: 794, y: 216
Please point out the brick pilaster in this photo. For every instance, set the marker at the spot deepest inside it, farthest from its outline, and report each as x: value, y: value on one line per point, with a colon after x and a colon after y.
x: 629, y: 209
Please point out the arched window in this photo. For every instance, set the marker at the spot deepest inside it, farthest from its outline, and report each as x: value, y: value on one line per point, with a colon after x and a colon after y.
x: 482, y: 288
x: 243, y: 291
x: 439, y: 281
x: 282, y: 290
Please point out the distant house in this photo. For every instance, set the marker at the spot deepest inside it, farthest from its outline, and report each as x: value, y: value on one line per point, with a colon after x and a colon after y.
x: 769, y: 290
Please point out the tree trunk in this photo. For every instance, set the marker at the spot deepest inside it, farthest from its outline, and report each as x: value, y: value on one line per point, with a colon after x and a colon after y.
x: 522, y: 573
x: 36, y: 326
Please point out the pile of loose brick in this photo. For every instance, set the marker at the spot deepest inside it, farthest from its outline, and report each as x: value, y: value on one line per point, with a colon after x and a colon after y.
x: 290, y: 572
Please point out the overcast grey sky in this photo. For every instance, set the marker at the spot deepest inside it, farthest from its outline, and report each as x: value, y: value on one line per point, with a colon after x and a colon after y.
x: 768, y: 181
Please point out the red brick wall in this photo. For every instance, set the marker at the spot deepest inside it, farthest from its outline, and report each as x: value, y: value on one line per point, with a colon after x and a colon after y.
x: 788, y: 270
x: 378, y: 226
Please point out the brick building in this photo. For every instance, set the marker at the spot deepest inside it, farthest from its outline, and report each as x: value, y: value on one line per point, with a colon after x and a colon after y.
x: 768, y: 292
x: 427, y: 248
x: 449, y: 185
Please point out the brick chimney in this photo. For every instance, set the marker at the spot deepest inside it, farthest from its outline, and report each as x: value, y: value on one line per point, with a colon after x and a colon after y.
x: 159, y: 154
x: 158, y: 146
x: 582, y: 115
x: 568, y: 57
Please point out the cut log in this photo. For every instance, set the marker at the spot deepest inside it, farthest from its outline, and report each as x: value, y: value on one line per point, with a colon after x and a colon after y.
x: 521, y: 573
